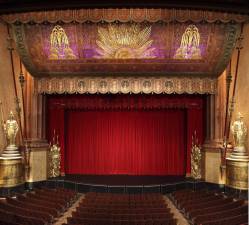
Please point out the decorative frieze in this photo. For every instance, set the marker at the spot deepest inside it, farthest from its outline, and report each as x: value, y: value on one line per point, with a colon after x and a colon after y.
x: 125, y: 85
x: 124, y: 15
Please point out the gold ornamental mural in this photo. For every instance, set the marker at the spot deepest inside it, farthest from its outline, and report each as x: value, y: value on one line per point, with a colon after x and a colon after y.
x: 189, y: 48
x: 125, y: 41
x: 59, y: 45
x: 125, y: 48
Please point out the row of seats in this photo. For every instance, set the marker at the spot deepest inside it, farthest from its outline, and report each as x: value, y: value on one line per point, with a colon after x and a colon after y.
x: 122, y: 209
x: 40, y: 207
x: 210, y: 208
x: 130, y: 197
x: 117, y: 206
x: 132, y: 216
x: 124, y: 203
x: 79, y: 221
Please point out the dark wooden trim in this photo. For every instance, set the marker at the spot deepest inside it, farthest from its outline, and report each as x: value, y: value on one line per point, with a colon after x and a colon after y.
x: 10, y: 6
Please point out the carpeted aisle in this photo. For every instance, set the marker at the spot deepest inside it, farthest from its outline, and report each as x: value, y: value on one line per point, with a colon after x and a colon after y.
x: 68, y: 213
x: 180, y: 218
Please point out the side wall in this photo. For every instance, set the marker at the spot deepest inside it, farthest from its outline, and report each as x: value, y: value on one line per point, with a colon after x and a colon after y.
x: 33, y: 105
x: 7, y: 90
x: 242, y: 91
x: 212, y: 156
x: 212, y: 147
x: 216, y: 108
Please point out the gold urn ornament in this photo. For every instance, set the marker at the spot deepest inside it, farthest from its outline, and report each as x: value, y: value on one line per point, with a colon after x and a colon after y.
x: 195, y: 158
x: 54, y: 158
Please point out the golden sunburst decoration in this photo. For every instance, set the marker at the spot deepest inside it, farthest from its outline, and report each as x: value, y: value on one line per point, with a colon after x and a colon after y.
x: 125, y: 41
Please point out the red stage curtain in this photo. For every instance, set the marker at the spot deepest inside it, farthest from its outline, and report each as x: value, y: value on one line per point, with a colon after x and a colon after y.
x: 125, y: 142
x: 195, y: 123
x: 61, y: 107
x: 55, y: 124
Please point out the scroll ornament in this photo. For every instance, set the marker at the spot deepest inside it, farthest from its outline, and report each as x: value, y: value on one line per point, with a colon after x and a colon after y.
x: 54, y: 158
x: 195, y: 158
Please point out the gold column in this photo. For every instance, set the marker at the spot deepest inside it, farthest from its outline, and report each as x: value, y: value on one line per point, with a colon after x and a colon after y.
x: 237, y: 173
x: 38, y: 160
x: 11, y: 172
x: 211, y: 158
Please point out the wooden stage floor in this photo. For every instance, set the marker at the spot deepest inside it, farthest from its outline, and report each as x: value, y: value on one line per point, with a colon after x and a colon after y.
x: 124, y: 179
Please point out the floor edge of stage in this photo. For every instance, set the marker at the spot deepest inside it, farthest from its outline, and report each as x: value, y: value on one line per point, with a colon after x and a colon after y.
x: 144, y: 184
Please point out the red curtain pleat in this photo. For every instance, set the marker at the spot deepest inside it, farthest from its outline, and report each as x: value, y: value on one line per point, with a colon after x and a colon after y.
x: 194, y: 124
x: 56, y: 127
x: 125, y: 142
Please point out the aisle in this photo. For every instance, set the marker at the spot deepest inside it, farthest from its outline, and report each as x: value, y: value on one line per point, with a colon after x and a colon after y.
x: 68, y: 213
x: 180, y: 218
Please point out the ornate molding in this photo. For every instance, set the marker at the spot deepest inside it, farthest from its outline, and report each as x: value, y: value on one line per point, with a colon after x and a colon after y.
x: 232, y: 35
x: 37, y: 144
x: 19, y: 37
x: 125, y: 85
x: 33, y: 48
x: 125, y: 15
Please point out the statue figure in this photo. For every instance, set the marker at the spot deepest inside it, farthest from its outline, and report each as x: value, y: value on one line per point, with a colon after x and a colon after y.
x: 239, y: 131
x: 10, y: 129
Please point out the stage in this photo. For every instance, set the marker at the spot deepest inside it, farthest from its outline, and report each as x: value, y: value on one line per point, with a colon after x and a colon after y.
x: 124, y: 183
x: 120, y: 180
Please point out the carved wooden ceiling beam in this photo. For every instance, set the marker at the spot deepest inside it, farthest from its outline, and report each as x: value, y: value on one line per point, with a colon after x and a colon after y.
x: 125, y: 15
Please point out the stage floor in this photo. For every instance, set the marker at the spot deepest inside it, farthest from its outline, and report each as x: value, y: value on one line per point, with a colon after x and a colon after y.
x: 120, y: 180
x: 123, y: 183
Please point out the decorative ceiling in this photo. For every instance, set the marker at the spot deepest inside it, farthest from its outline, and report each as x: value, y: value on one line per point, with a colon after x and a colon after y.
x: 118, y: 42
x: 11, y: 6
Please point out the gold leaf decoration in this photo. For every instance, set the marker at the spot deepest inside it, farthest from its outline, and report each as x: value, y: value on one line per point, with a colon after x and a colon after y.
x: 189, y: 48
x: 59, y: 45
x: 125, y: 41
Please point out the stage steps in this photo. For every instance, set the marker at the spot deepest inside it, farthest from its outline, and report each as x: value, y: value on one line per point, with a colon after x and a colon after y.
x: 181, y: 220
x: 68, y: 213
